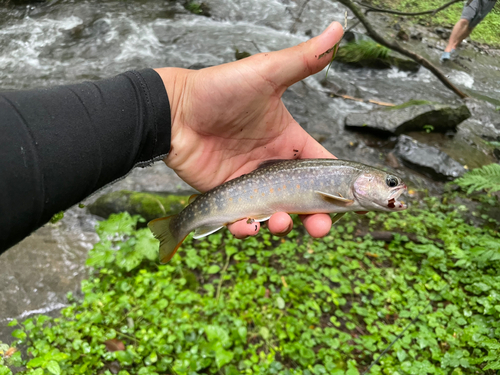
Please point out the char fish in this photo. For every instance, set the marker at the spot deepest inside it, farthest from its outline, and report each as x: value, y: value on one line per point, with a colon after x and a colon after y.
x: 294, y: 186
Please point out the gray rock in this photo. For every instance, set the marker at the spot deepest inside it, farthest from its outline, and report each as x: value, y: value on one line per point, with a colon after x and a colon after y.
x: 427, y: 160
x: 406, y: 118
x: 487, y: 117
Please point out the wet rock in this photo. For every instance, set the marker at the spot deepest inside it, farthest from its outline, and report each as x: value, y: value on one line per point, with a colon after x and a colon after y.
x: 427, y: 160
x: 442, y: 32
x: 410, y: 116
x: 416, y: 35
x: 487, y: 118
x: 403, y: 35
x: 148, y: 205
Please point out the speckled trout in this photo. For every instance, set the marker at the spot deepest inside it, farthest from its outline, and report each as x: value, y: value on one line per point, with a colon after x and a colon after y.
x: 294, y: 186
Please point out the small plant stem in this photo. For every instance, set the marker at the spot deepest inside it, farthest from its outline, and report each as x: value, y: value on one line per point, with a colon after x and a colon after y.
x: 223, y: 272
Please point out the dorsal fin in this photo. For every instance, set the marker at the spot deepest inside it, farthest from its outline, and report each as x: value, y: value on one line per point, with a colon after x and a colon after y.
x: 267, y: 163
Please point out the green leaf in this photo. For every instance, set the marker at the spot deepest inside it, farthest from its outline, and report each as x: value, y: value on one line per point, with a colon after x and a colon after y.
x: 280, y: 302
x: 19, y: 334
x: 54, y: 368
x: 213, y: 269
x: 36, y: 362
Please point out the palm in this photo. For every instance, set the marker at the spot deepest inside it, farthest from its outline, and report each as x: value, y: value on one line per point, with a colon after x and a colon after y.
x: 253, y: 125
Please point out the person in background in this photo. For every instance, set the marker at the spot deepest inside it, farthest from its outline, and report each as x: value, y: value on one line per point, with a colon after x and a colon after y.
x: 59, y: 145
x: 474, y: 12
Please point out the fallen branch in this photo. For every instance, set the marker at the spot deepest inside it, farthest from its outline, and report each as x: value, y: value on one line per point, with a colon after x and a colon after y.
x: 432, y: 11
x: 361, y: 100
x: 396, y: 47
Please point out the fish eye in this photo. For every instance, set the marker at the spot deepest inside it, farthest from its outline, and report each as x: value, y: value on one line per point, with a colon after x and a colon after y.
x: 392, y: 181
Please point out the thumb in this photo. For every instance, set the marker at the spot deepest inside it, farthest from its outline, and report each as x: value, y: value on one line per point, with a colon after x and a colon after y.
x: 290, y: 65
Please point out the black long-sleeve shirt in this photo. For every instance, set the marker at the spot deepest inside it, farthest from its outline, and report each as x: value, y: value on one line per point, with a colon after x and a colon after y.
x: 58, y: 145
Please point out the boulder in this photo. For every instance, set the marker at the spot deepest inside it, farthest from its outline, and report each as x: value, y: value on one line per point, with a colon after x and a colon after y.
x: 410, y: 116
x: 427, y: 160
x: 148, y: 205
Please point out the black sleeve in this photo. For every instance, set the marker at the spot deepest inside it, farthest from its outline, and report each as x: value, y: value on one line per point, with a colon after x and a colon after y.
x: 59, y: 145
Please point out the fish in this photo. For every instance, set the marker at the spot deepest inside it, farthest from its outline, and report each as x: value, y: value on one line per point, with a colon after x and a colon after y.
x: 299, y: 186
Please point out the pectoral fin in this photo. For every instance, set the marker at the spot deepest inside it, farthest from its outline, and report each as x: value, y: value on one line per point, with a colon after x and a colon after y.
x: 206, y: 230
x: 335, y: 199
x: 337, y: 217
x: 260, y: 218
x: 192, y: 198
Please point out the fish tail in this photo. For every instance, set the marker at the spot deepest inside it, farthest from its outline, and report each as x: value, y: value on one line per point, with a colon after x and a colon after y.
x: 169, y: 241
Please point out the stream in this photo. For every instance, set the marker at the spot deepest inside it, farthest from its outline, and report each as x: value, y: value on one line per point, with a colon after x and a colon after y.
x: 62, y: 41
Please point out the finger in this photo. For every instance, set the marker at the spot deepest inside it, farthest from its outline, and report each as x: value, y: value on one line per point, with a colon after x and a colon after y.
x: 280, y: 224
x: 291, y: 65
x: 317, y: 225
x: 241, y: 229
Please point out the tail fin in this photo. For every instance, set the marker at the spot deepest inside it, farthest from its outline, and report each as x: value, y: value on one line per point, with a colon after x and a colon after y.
x: 169, y: 242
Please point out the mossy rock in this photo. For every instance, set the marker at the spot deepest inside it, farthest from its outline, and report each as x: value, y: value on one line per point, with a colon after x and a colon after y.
x: 369, y: 54
x: 148, y: 205
x: 408, y: 117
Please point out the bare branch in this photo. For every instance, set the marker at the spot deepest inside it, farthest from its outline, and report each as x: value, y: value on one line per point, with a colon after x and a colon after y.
x: 396, y: 47
x: 432, y: 11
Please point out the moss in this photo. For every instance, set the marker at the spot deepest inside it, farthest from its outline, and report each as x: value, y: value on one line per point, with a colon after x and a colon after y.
x: 368, y: 53
x: 362, y: 51
x: 147, y: 205
x: 200, y: 9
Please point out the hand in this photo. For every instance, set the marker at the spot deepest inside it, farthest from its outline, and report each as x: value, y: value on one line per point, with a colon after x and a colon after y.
x: 227, y: 119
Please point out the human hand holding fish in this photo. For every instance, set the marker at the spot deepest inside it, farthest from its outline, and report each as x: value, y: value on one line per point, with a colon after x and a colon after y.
x: 228, y: 119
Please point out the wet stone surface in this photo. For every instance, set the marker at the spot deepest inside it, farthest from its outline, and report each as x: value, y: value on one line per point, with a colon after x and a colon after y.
x: 427, y: 159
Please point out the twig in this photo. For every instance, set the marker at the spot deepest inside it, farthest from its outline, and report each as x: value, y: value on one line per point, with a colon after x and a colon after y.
x: 432, y: 11
x: 223, y: 272
x: 396, y: 47
x: 362, y: 100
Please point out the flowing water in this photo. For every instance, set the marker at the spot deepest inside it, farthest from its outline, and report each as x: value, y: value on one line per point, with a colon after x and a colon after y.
x: 59, y: 42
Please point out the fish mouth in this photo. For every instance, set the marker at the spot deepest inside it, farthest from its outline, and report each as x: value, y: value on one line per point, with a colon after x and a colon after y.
x: 393, y: 202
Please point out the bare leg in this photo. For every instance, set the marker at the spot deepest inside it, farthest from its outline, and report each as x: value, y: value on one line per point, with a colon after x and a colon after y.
x: 460, y: 32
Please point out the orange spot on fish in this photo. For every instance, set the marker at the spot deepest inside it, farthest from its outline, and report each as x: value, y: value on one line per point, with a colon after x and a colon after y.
x: 263, y: 194
x: 271, y: 190
x: 230, y: 199
x: 251, y: 196
x: 298, y: 186
x: 255, y: 190
x: 284, y: 187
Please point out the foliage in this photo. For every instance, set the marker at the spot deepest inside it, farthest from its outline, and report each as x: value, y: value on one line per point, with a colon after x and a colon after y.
x: 362, y: 51
x: 484, y: 178
x: 485, y: 32
x: 294, y: 305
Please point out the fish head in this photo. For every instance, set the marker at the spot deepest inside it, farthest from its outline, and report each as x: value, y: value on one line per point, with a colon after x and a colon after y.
x: 379, y: 191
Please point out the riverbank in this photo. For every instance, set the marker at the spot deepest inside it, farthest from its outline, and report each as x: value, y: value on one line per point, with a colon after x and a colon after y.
x: 485, y: 33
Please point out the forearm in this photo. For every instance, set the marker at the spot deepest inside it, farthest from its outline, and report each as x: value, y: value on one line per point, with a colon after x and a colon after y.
x: 59, y: 145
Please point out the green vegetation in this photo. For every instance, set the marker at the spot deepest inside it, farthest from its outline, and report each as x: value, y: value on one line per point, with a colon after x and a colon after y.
x: 363, y: 51
x: 201, y: 9
x: 487, y: 178
x: 294, y: 305
x: 485, y: 32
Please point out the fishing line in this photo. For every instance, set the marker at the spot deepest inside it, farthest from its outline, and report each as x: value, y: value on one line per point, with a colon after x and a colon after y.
x: 367, y: 371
